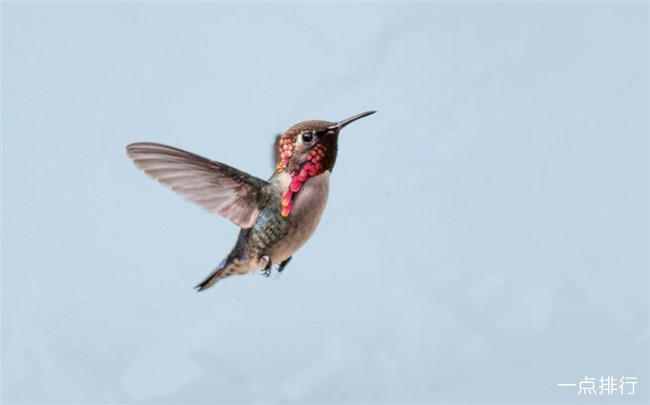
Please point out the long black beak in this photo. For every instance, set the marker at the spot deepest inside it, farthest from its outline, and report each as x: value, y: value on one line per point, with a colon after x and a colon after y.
x: 346, y: 121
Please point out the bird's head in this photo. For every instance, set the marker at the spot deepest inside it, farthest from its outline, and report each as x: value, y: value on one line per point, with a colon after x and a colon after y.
x: 310, y: 146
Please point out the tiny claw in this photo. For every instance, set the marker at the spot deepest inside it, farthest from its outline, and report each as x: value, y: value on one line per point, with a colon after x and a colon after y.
x: 266, y: 271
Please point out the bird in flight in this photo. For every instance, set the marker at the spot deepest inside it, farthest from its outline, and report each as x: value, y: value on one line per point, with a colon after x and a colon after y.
x: 276, y: 216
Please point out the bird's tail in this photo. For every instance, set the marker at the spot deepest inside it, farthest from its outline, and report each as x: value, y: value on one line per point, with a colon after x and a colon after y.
x: 228, y: 267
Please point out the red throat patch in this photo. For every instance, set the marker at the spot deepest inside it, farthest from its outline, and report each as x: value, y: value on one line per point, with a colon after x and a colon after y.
x: 285, y: 152
x: 312, y: 167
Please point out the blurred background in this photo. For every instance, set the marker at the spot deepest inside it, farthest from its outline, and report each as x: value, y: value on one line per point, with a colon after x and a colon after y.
x: 486, y: 234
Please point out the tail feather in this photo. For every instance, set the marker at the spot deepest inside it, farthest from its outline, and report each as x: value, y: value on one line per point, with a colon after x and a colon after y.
x: 228, y: 267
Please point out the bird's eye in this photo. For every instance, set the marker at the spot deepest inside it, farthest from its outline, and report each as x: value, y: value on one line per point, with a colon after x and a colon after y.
x: 307, y: 137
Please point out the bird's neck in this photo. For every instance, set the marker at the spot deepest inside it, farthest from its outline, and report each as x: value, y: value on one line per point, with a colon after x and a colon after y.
x: 300, y: 174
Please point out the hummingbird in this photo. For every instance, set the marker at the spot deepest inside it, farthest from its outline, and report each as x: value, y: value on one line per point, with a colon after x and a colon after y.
x: 276, y: 216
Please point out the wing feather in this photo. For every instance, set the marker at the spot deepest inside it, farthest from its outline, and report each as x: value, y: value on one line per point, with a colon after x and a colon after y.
x: 213, y: 185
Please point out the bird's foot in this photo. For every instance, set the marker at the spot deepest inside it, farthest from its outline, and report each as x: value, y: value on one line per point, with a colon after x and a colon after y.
x: 266, y: 271
x: 283, y: 265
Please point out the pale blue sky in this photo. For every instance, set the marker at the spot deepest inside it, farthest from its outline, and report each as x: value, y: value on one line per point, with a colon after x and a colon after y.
x: 485, y: 238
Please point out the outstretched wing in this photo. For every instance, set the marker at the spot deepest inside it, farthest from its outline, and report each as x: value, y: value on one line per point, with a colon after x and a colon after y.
x: 276, y: 150
x: 214, y: 186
